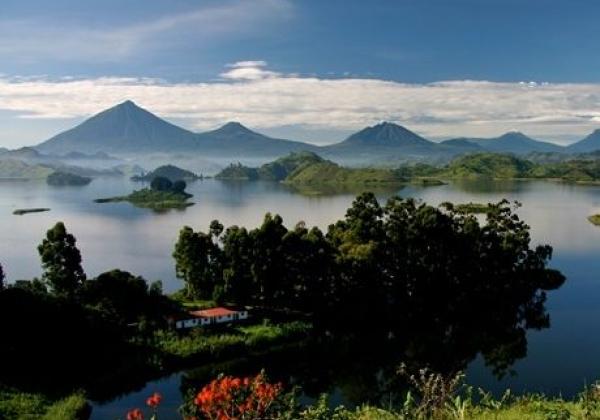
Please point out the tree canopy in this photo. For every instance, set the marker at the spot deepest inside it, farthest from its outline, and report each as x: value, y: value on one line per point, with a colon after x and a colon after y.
x: 61, y: 261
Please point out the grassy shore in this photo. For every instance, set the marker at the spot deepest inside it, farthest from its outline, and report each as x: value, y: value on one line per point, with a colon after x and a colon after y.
x: 22, y: 406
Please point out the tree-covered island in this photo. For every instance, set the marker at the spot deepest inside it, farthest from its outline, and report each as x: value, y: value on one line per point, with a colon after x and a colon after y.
x: 161, y: 195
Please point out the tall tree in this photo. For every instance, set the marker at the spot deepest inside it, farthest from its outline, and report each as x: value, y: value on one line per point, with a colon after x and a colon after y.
x: 61, y: 261
x: 197, y: 257
x: 1, y: 278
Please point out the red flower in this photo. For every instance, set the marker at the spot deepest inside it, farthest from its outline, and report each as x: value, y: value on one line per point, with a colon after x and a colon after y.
x: 154, y: 400
x: 135, y: 414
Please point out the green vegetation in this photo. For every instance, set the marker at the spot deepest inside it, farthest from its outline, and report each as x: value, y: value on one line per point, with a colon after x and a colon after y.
x: 238, y: 172
x: 329, y: 173
x: 162, y: 195
x: 487, y: 165
x: 502, y: 166
x: 202, y: 345
x: 170, y: 172
x: 21, y: 406
x: 65, y: 178
x: 16, y: 169
x: 473, y: 208
x: 594, y: 219
x: 277, y: 170
x: 410, y: 266
x: 20, y: 212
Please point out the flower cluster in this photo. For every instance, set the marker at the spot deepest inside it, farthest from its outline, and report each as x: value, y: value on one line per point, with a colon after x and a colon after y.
x: 154, y: 400
x: 135, y: 414
x: 229, y: 398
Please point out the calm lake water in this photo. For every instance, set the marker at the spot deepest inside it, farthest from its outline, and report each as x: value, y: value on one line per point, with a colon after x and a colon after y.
x: 559, y: 360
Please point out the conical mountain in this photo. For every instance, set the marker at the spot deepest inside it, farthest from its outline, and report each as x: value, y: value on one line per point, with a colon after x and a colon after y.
x: 123, y: 128
x: 387, y: 135
x: 588, y: 144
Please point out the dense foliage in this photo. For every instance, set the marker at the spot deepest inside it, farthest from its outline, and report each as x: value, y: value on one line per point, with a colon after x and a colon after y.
x: 403, y: 266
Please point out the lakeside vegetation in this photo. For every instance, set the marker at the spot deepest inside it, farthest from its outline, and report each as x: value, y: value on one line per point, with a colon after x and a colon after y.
x: 415, y: 269
x: 162, y: 195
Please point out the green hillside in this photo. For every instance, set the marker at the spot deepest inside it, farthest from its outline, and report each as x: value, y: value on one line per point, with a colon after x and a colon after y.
x: 277, y: 170
x: 487, y: 165
x: 329, y: 173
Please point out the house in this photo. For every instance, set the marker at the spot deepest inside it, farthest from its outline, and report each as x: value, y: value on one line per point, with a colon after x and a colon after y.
x: 210, y: 316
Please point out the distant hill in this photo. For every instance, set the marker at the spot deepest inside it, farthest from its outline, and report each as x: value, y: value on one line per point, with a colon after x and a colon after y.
x: 171, y: 172
x: 463, y: 144
x: 235, y: 140
x: 488, y: 165
x: 588, y: 144
x: 17, y: 169
x: 277, y: 170
x: 121, y: 129
x: 514, y: 142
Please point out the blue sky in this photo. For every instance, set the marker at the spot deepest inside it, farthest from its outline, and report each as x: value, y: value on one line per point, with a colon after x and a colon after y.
x: 347, y: 63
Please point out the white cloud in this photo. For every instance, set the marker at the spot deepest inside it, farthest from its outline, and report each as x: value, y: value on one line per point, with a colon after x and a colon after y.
x: 34, y: 39
x: 248, y: 70
x: 264, y: 99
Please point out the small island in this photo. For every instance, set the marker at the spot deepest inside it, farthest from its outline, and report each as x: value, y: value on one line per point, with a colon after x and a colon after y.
x: 162, y: 195
x: 170, y: 172
x: 21, y: 212
x: 594, y: 219
x: 61, y: 179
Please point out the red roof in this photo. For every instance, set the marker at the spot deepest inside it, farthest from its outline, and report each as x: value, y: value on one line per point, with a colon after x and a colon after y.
x: 213, y: 312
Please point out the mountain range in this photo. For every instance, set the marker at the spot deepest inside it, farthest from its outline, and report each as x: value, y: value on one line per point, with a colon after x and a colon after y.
x: 129, y: 129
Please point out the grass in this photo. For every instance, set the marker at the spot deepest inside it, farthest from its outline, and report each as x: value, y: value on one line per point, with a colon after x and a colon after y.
x: 594, y: 219
x: 227, y: 342
x: 25, y: 406
x: 20, y: 212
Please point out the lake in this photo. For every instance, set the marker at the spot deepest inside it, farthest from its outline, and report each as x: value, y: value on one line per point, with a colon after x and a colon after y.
x: 117, y: 235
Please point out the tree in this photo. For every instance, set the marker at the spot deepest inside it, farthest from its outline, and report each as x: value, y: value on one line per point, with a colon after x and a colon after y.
x: 61, y: 261
x: 179, y: 186
x: 161, y: 184
x: 197, y: 258
x: 1, y: 278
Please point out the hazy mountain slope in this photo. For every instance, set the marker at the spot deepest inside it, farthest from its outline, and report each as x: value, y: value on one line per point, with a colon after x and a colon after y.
x: 233, y: 139
x: 588, y: 144
x: 514, y: 142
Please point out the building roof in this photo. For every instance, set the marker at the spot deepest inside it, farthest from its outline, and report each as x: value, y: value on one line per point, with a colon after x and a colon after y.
x: 212, y: 312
